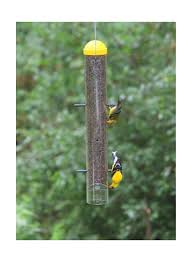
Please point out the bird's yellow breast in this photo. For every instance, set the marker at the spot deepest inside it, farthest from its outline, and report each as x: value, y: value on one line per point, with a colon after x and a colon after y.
x: 117, y: 177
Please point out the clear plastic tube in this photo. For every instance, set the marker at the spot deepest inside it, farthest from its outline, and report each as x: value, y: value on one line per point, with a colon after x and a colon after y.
x: 96, y: 140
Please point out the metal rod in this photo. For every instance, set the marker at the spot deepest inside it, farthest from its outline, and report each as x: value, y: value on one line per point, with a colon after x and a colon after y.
x: 85, y: 170
x: 83, y: 105
x: 80, y: 105
x: 81, y: 170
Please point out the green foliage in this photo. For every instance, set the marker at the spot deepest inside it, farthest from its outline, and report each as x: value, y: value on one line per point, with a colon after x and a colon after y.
x: 50, y: 131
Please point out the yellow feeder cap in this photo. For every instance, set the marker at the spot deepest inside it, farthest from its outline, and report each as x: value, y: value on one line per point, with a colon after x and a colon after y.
x: 95, y: 48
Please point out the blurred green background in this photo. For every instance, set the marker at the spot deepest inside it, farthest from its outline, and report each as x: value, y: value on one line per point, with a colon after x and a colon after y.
x: 51, y: 199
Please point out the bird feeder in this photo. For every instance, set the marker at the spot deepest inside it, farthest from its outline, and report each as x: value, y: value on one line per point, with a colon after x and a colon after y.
x: 96, y: 141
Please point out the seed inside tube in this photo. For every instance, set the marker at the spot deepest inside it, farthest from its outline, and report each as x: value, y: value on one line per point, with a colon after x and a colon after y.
x: 96, y: 140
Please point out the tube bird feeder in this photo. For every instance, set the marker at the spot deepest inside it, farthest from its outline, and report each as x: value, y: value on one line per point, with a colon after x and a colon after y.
x: 96, y: 141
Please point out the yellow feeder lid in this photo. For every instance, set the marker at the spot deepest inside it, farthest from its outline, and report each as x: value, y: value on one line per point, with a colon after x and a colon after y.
x: 95, y: 47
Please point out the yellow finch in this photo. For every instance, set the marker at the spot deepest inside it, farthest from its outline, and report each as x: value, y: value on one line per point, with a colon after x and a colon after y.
x: 116, y: 170
x: 113, y: 113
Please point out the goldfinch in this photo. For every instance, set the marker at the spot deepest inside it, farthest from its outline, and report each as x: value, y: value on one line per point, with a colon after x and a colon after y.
x: 116, y: 170
x: 113, y: 113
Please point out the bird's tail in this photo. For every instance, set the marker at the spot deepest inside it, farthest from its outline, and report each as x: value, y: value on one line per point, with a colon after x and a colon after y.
x: 117, y: 110
x: 114, y: 154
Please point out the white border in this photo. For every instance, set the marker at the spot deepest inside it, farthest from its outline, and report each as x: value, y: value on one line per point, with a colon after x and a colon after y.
x: 12, y: 11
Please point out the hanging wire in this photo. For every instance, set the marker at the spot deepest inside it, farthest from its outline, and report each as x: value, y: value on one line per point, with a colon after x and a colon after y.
x: 95, y: 33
